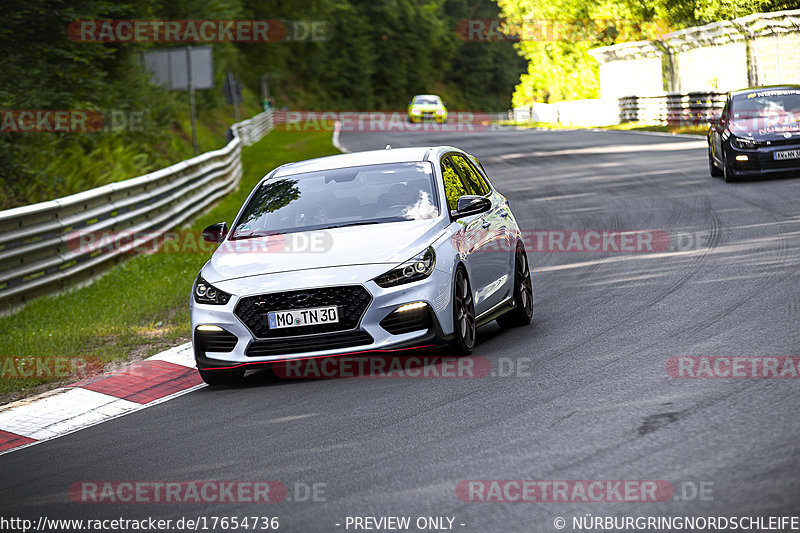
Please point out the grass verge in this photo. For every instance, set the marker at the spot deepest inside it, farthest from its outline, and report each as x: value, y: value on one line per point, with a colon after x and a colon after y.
x: 139, y: 307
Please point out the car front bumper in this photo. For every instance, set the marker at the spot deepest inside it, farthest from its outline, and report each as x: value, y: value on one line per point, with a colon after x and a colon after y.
x: 762, y: 162
x: 428, y: 117
x: 435, y: 291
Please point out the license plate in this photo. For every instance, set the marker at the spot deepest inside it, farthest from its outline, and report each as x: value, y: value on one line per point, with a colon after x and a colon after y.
x: 787, y: 154
x: 292, y: 318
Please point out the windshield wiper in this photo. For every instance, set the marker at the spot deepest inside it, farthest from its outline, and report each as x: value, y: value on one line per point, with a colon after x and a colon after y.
x: 255, y: 234
x: 363, y: 223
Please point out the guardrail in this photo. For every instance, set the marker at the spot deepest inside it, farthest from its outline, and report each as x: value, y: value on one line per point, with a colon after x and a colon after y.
x: 39, y: 248
x: 253, y: 129
x: 691, y: 109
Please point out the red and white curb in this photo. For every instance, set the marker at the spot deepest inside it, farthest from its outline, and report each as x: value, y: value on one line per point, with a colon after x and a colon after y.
x: 97, y: 399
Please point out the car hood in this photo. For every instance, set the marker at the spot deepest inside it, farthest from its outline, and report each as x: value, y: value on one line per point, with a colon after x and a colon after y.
x: 764, y: 129
x: 385, y: 245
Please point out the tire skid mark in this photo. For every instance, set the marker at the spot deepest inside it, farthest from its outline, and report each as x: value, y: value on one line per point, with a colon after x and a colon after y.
x: 696, y: 262
x: 760, y: 284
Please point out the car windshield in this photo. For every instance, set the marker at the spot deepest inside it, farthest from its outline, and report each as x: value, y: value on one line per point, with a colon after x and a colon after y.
x: 426, y: 100
x: 324, y: 199
x: 767, y: 104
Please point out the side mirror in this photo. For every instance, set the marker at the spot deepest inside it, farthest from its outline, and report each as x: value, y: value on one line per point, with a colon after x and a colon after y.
x: 216, y: 232
x: 471, y: 205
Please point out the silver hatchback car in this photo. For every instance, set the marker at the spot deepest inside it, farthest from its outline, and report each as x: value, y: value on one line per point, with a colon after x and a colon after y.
x: 367, y: 252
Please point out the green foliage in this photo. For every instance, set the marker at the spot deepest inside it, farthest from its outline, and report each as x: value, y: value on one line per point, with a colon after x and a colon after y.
x: 380, y: 53
x: 560, y: 68
x: 480, y: 74
x: 711, y: 10
x: 42, y: 69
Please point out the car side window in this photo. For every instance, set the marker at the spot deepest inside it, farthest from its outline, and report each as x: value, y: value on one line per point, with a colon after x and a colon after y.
x: 453, y: 186
x: 472, y: 178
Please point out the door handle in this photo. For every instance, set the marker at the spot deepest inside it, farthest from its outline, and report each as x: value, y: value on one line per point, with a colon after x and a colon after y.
x: 485, y: 224
x: 504, y: 213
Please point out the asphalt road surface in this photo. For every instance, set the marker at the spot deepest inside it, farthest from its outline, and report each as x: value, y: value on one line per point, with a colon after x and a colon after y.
x: 589, y: 396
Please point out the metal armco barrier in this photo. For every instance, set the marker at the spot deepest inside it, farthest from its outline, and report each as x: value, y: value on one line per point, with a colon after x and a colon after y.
x: 253, y: 129
x: 38, y: 250
x: 691, y: 109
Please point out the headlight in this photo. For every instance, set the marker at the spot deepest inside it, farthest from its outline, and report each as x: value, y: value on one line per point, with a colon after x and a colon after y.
x: 440, y: 111
x: 745, y: 144
x: 205, y: 293
x: 418, y: 267
x: 415, y: 111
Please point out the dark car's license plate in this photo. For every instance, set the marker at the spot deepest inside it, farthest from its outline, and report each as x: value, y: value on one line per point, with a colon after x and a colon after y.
x: 787, y: 154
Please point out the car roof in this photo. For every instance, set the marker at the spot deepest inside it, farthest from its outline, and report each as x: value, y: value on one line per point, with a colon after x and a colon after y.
x: 354, y: 159
x: 749, y: 90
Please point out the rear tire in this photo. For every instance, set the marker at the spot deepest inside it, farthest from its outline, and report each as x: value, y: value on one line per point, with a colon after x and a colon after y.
x: 522, y: 314
x: 221, y: 377
x: 463, y: 315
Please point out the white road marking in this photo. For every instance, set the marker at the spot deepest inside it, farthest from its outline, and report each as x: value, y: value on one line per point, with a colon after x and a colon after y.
x: 613, y: 149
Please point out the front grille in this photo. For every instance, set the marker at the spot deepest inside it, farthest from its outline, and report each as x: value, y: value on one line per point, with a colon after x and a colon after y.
x: 407, y: 321
x: 784, y: 142
x: 216, y: 341
x: 312, y: 343
x: 352, y: 301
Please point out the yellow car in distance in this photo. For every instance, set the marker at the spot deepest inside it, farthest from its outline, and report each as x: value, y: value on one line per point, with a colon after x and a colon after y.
x: 427, y: 107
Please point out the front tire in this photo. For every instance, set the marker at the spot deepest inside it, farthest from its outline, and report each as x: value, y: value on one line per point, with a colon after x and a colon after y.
x: 712, y: 167
x: 221, y: 377
x: 727, y: 169
x: 522, y: 314
x: 463, y: 315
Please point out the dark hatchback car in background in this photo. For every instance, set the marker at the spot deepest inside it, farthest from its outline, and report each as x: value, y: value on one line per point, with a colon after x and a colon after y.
x: 757, y: 134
